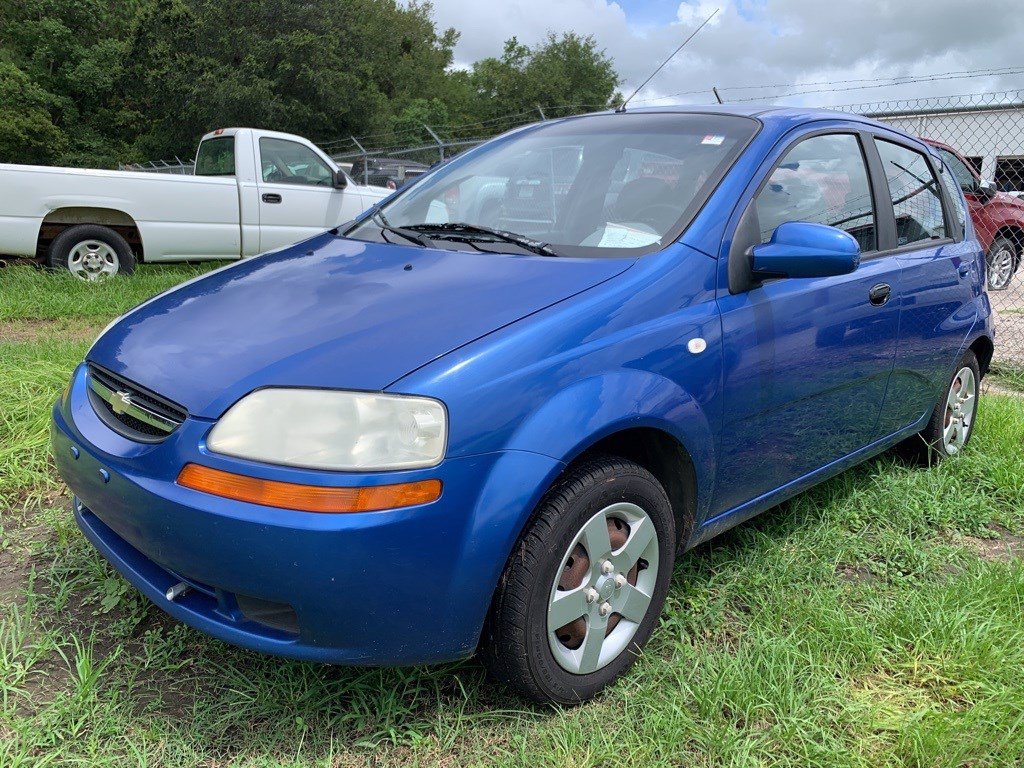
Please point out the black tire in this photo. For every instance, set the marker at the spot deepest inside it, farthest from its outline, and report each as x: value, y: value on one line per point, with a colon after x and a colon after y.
x: 1002, y: 260
x: 515, y: 644
x: 117, y: 248
x: 927, y: 446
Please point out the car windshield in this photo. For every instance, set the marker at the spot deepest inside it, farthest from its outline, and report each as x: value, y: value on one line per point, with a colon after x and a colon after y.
x: 597, y: 186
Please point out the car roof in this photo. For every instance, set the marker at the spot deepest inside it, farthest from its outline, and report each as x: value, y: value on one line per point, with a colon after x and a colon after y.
x: 775, y: 119
x: 764, y: 112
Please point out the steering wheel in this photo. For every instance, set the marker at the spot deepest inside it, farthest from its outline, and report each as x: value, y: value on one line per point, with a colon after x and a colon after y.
x: 659, y: 216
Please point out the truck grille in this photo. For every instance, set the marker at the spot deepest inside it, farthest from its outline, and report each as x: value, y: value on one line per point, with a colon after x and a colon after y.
x: 130, y: 410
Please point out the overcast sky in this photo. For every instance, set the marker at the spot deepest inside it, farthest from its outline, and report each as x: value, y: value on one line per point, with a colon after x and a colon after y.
x: 757, y: 42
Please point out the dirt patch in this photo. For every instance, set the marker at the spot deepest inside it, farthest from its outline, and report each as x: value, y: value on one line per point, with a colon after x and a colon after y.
x: 48, y: 330
x: 1008, y: 546
x: 858, y: 573
x: 14, y: 570
x: 990, y: 387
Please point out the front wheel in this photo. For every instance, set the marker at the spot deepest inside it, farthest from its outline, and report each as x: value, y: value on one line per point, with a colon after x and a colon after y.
x: 91, y: 253
x: 1002, y: 263
x: 952, y: 421
x: 585, y: 585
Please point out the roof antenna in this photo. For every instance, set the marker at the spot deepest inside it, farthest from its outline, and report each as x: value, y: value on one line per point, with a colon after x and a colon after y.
x: 622, y: 106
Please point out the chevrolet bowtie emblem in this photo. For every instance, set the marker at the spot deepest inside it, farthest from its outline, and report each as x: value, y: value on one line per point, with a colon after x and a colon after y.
x: 121, y: 402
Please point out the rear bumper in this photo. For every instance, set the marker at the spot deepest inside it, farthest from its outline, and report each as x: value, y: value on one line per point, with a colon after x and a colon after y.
x: 404, y: 586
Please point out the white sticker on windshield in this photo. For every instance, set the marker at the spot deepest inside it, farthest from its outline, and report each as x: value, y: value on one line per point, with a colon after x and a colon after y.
x: 621, y: 236
x: 714, y: 141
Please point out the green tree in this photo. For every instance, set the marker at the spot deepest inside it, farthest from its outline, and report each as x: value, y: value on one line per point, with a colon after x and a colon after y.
x: 27, y: 134
x: 98, y: 82
x: 563, y: 75
x: 71, y: 52
x: 323, y: 69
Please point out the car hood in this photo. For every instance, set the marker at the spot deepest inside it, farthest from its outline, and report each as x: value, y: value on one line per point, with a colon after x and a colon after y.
x: 329, y: 312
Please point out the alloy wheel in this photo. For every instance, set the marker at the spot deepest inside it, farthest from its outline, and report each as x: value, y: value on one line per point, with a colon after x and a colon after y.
x: 1000, y: 270
x: 960, y: 406
x: 603, y: 588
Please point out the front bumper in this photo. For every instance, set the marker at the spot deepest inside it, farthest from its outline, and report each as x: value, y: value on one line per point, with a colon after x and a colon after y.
x: 403, y: 586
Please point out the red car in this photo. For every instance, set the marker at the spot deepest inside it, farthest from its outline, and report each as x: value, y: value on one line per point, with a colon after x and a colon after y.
x: 998, y: 218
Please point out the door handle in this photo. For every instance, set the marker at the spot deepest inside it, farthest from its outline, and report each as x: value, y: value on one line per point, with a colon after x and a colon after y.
x: 880, y: 294
x: 271, y: 197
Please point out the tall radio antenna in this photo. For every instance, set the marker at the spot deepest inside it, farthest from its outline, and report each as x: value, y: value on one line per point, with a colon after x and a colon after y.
x: 622, y: 106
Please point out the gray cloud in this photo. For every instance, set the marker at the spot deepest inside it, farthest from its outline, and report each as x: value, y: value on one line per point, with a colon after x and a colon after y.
x: 754, y: 42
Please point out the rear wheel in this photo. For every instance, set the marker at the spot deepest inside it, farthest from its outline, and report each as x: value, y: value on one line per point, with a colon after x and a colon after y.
x: 90, y: 252
x: 1002, y: 263
x: 585, y: 586
x: 952, y: 421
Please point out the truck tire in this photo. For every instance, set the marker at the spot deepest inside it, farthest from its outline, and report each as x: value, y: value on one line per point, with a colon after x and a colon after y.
x: 1003, y: 258
x: 91, y: 252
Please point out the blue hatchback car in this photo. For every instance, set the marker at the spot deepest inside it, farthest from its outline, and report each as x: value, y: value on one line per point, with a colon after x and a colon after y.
x: 493, y: 411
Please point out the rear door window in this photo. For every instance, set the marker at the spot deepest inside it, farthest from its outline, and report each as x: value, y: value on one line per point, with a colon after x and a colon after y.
x: 914, y: 192
x: 823, y: 180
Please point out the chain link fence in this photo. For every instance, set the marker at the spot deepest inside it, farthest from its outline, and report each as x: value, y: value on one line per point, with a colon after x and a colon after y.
x: 981, y: 138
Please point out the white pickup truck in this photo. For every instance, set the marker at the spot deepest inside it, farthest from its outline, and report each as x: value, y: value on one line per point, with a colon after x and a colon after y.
x: 252, y: 191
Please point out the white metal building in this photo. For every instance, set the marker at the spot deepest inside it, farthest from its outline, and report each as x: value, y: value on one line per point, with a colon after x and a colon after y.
x: 990, y: 136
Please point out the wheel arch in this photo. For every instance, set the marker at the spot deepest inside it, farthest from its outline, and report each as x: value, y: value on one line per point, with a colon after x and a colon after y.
x: 983, y: 348
x: 64, y: 217
x: 661, y: 454
x: 636, y: 415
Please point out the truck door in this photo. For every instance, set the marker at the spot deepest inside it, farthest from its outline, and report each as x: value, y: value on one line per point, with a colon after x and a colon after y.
x: 297, y: 198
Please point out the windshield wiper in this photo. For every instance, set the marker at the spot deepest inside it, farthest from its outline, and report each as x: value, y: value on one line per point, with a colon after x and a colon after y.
x: 461, y: 231
x: 408, y: 234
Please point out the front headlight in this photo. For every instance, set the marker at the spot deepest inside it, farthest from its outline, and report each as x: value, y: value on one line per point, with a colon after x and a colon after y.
x: 330, y: 429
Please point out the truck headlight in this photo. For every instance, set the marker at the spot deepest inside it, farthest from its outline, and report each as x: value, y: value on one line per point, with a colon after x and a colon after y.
x: 334, y: 430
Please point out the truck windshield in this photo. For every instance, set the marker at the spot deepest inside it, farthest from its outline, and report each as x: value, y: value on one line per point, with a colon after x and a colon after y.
x: 596, y: 186
x: 216, y: 157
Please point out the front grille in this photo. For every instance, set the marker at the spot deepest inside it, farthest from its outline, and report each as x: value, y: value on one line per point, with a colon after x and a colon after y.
x: 130, y: 410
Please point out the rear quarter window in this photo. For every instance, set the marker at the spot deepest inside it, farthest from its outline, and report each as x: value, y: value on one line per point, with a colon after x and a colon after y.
x: 956, y: 200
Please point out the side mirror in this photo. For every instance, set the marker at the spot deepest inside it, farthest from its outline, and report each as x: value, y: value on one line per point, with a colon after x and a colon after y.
x: 986, y: 190
x: 802, y: 249
x: 338, y: 180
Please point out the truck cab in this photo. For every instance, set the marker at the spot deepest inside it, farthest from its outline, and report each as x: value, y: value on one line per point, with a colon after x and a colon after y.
x: 288, y: 188
x: 252, y: 191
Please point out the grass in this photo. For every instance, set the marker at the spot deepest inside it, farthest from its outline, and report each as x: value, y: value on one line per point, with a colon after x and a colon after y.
x: 27, y: 293
x: 877, y: 620
x: 1009, y: 376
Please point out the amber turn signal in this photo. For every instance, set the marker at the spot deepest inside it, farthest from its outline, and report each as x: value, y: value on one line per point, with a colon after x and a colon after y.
x: 307, y: 498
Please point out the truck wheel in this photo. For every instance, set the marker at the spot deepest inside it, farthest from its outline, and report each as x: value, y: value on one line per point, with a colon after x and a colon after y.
x: 91, y: 252
x: 585, y: 585
x: 952, y: 421
x: 1002, y: 263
